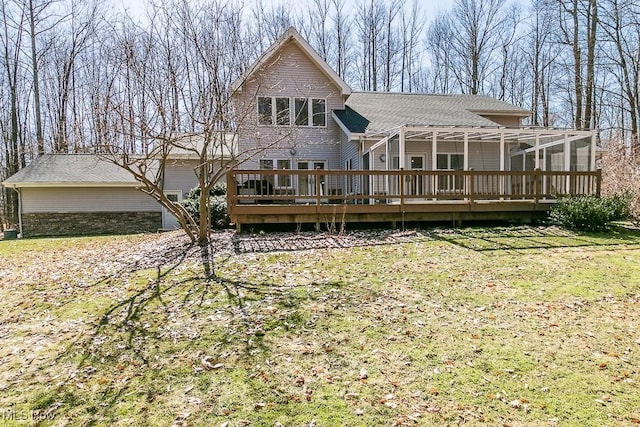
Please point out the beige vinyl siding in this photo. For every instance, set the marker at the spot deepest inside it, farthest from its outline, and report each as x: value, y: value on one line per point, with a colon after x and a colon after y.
x: 292, y: 74
x: 484, y: 155
x: 349, y: 150
x: 180, y: 175
x: 75, y: 199
x: 508, y: 121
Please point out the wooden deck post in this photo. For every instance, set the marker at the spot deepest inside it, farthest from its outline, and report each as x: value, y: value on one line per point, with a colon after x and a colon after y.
x: 402, y: 175
x: 472, y: 186
x: 232, y: 189
x: 598, y: 181
x: 536, y: 186
x: 317, y: 175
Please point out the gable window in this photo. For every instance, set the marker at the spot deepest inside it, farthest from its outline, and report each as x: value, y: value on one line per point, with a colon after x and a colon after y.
x: 273, y: 110
x: 319, y: 112
x: 302, y: 112
x: 282, y: 112
x: 265, y: 116
x: 306, y: 111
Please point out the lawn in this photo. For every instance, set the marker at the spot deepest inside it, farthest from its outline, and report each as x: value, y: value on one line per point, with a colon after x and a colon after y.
x: 479, y: 326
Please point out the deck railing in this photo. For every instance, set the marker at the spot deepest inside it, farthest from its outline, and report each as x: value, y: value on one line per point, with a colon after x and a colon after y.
x: 403, y: 186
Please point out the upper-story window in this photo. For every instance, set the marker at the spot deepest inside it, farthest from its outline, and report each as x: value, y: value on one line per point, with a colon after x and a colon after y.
x: 265, y: 116
x: 278, y: 111
x: 319, y: 109
x: 273, y: 110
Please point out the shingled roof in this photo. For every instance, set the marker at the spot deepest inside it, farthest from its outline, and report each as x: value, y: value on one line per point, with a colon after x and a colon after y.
x: 370, y: 112
x: 71, y: 170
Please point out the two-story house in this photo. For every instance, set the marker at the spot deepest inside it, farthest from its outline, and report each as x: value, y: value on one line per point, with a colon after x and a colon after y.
x: 314, y: 141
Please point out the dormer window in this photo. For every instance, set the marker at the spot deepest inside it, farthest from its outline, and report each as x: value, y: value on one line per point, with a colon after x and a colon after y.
x: 310, y: 112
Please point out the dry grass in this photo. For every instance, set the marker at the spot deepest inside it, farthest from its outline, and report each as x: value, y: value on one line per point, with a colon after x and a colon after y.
x: 513, y: 326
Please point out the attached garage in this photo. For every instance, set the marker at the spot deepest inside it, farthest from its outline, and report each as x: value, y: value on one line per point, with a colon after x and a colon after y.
x: 81, y: 194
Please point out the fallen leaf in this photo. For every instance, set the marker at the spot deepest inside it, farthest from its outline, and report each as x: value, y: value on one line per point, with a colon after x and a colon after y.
x: 364, y: 374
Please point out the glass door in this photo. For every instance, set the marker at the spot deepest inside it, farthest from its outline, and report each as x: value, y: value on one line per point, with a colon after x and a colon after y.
x: 307, y: 183
x: 452, y: 162
x: 415, y: 183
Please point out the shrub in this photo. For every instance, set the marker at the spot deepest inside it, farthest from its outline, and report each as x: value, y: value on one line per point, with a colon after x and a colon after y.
x: 590, y: 212
x: 621, y: 174
x: 217, y: 205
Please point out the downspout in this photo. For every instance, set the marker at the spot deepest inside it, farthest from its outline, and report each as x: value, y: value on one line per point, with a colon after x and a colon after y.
x: 19, y: 210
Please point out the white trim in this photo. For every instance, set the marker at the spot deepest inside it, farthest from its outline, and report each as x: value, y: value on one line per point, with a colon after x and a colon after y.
x: 466, y: 151
x: 401, y: 149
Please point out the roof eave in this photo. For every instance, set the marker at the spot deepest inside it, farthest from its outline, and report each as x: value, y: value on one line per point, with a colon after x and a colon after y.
x: 70, y: 184
x: 523, y: 113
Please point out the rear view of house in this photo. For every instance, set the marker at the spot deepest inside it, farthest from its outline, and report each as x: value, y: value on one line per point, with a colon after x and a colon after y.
x: 320, y: 150
x: 311, y: 150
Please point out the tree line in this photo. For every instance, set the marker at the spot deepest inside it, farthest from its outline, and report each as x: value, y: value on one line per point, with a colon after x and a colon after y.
x: 77, y: 76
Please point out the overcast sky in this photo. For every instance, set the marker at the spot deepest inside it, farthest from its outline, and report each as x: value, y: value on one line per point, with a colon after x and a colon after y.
x: 430, y: 7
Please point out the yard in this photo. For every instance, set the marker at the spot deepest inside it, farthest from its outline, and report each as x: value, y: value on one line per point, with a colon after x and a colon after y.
x: 479, y: 326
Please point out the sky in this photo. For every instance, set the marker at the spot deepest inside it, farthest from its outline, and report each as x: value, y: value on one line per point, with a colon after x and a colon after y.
x: 431, y: 7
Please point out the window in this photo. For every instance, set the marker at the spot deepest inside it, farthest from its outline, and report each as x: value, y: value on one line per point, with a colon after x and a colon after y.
x: 273, y: 110
x: 282, y: 112
x: 450, y: 161
x: 307, y: 111
x: 319, y: 112
x: 278, y: 180
x: 264, y: 111
x: 283, y: 180
x: 302, y: 112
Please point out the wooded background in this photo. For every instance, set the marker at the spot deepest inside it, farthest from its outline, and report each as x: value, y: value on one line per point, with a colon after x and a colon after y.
x: 78, y: 76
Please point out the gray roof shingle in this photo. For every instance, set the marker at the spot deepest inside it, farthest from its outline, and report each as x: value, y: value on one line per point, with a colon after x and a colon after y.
x: 384, y: 111
x: 68, y: 169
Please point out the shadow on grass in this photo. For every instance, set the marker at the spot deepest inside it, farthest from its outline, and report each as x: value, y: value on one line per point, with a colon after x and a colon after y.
x: 291, y: 242
x: 184, y: 314
x: 527, y: 238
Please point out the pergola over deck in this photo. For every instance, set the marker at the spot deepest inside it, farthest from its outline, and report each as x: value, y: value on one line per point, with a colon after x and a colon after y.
x: 541, y: 148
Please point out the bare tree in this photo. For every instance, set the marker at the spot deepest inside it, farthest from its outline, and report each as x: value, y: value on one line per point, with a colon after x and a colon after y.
x: 621, y: 24
x: 370, y: 22
x: 411, y: 31
x: 578, y: 23
x: 439, y: 46
x: 477, y: 27
x: 67, y: 41
x: 183, y: 63
x: 541, y: 56
x: 342, y: 34
x: 13, y: 17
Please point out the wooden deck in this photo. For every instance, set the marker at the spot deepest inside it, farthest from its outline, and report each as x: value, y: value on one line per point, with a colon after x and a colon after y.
x: 329, y: 197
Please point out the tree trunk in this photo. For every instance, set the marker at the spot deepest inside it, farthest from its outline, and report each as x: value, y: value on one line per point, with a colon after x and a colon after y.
x: 36, y: 81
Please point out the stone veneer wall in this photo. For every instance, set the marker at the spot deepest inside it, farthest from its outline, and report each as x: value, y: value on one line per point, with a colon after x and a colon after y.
x: 79, y: 223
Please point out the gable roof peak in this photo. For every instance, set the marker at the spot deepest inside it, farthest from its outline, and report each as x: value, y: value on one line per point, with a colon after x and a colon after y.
x: 291, y: 34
